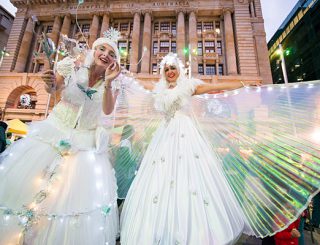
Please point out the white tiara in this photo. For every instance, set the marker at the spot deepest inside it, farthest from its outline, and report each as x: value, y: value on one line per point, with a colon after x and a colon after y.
x: 112, y: 34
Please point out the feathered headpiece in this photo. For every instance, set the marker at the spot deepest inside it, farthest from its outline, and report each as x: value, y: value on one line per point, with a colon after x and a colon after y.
x: 111, y: 38
x: 171, y: 59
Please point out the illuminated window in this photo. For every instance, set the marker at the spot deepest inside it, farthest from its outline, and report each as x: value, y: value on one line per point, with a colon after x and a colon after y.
x: 156, y: 26
x: 154, y: 69
x: 124, y: 26
x: 209, y: 46
x: 173, y: 47
x: 155, y: 47
x: 85, y: 28
x: 165, y: 26
x: 220, y: 70
x: 210, y: 70
x: 208, y: 25
x: 199, y: 27
x: 200, y: 48
x: 174, y: 29
x: 122, y: 44
x: 164, y: 46
x: 219, y: 47
x: 200, y: 69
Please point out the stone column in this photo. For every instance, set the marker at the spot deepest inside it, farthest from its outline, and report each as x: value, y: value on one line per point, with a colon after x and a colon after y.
x: 55, y: 35
x: 145, y: 65
x: 94, y: 29
x: 65, y: 29
x: 193, y: 40
x: 181, y: 39
x: 217, y: 66
x: 134, y: 55
x: 105, y: 24
x: 252, y: 10
x: 229, y: 41
x: 14, y: 41
x: 24, y: 47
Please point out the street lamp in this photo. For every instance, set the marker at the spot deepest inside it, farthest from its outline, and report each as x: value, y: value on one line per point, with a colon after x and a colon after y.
x: 281, y: 52
x: 2, y: 54
x: 283, y: 63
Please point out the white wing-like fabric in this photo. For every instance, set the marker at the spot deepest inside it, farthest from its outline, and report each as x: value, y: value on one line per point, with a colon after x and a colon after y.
x: 268, y: 142
x: 136, y: 119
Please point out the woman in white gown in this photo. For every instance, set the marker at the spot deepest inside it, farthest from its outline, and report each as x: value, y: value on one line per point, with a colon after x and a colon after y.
x: 57, y: 186
x: 180, y: 195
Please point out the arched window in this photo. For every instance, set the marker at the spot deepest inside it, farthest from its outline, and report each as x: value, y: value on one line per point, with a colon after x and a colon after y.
x: 23, y: 97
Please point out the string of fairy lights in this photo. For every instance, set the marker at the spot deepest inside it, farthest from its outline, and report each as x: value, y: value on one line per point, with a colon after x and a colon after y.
x: 31, y: 213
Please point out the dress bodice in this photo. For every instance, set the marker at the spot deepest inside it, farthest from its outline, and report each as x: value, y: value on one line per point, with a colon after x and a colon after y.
x: 80, y: 106
x: 177, y: 100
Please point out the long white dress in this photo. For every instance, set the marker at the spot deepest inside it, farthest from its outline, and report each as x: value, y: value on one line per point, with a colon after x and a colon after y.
x: 57, y: 186
x: 180, y: 195
x: 217, y: 165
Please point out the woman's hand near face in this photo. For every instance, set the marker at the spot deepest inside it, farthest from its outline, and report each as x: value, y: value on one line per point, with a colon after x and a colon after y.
x: 112, y: 71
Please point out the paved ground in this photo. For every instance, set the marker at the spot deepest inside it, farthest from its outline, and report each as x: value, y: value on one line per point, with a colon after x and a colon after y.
x: 245, y: 240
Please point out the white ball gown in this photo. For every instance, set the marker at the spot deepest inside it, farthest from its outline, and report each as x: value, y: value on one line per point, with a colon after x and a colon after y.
x: 57, y: 185
x: 189, y: 191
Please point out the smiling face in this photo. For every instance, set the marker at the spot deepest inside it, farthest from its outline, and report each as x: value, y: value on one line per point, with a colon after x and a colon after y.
x: 171, y: 73
x: 104, y: 55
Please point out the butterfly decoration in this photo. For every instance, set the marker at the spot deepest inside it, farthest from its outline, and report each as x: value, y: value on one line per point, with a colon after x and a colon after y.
x: 89, y: 92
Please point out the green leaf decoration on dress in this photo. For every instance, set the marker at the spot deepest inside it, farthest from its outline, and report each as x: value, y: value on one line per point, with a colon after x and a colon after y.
x: 89, y: 92
x: 105, y: 210
x: 63, y: 147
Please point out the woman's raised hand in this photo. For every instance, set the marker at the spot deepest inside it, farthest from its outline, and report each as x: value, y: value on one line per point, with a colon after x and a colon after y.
x: 112, y: 71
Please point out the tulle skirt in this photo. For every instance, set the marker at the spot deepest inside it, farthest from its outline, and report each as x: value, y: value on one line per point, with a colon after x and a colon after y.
x: 180, y: 195
x: 57, y: 188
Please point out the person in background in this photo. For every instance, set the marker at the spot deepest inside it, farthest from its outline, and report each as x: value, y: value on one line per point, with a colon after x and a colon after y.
x: 316, y: 211
x: 3, y: 138
x: 289, y: 236
x: 301, y: 226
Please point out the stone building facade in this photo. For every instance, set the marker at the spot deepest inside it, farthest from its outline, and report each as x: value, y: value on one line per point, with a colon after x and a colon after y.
x: 6, y: 21
x: 223, y: 38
